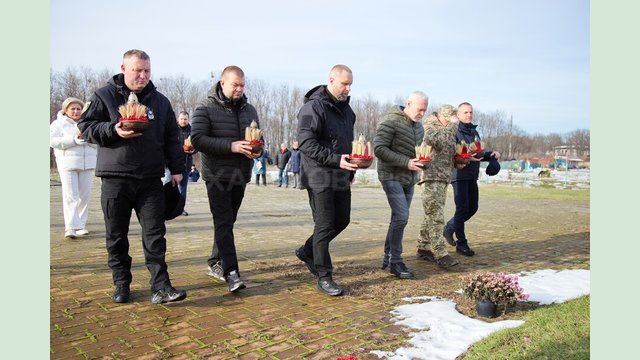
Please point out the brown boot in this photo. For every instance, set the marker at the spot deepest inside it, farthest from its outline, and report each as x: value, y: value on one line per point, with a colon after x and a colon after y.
x: 447, y: 261
x: 425, y: 255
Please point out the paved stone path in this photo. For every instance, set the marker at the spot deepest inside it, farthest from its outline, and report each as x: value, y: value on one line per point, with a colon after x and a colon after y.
x: 280, y: 315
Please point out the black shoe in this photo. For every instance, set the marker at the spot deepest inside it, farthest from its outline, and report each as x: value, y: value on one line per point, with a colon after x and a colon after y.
x: 465, y: 250
x: 329, y: 287
x: 121, y: 294
x: 184, y: 213
x: 401, y: 271
x: 385, y: 261
x: 168, y: 294
x: 448, y: 235
x: 425, y: 255
x: 306, y: 260
x: 235, y: 284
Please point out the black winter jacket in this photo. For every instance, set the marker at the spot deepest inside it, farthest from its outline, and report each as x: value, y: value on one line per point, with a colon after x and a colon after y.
x: 216, y: 123
x: 141, y: 157
x: 188, y: 158
x: 282, y: 158
x: 325, y: 131
x: 468, y: 133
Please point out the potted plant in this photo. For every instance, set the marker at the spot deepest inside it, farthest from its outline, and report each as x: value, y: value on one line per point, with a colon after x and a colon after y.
x: 490, y: 289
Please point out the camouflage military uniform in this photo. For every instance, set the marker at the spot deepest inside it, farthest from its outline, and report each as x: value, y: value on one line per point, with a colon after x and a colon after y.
x: 435, y: 180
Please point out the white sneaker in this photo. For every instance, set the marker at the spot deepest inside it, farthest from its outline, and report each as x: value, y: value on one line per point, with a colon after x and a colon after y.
x: 70, y: 234
x: 216, y: 271
x: 82, y: 232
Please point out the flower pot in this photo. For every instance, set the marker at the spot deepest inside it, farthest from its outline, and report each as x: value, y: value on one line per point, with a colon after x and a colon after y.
x: 486, y: 308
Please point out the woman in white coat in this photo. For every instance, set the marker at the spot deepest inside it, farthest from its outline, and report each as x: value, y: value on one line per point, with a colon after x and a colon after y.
x: 76, y: 161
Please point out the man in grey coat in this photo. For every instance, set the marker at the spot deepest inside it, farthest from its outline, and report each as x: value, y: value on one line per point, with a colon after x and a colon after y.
x: 397, y: 136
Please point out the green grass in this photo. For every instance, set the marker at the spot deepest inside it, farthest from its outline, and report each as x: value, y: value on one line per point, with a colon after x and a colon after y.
x: 554, y: 332
x: 537, y: 193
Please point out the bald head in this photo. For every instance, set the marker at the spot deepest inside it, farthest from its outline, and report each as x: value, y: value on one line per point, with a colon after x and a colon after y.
x: 340, y: 80
x: 232, y: 82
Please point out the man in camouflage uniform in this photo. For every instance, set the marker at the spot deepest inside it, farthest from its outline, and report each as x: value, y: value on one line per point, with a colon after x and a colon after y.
x: 439, y: 132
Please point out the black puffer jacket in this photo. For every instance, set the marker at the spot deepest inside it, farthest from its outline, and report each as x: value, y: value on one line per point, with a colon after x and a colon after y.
x: 468, y: 133
x: 188, y: 158
x: 141, y: 157
x: 325, y: 131
x: 218, y: 122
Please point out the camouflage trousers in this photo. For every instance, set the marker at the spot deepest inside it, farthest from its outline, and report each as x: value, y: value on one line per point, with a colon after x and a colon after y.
x: 433, y: 198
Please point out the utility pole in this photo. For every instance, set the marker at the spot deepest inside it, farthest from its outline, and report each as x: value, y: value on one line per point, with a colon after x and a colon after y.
x: 510, y: 133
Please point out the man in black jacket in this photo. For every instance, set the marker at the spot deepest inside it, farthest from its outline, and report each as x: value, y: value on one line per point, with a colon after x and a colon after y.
x: 465, y: 183
x: 282, y: 159
x: 325, y: 133
x: 131, y: 165
x: 188, y: 151
x: 218, y: 131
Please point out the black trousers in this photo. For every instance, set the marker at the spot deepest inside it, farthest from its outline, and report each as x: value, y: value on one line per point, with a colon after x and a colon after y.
x: 119, y: 196
x: 331, y: 212
x: 465, y: 195
x: 224, y: 202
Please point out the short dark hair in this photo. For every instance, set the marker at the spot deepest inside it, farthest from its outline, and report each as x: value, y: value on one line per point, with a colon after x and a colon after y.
x: 464, y: 103
x: 183, y: 113
x: 137, y: 53
x: 232, y: 69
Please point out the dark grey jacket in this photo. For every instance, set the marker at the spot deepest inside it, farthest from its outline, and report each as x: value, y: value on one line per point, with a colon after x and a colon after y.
x: 325, y: 131
x: 141, y: 157
x: 216, y: 123
x: 395, y: 144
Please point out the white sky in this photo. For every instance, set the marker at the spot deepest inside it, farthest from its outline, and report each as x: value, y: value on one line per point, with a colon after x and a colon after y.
x: 442, y: 333
x: 529, y: 59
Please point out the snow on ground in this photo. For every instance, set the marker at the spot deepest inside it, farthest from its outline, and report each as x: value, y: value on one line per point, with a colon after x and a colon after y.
x: 443, y: 333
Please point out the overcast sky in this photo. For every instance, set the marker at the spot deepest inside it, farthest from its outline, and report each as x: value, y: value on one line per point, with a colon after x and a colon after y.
x: 529, y: 59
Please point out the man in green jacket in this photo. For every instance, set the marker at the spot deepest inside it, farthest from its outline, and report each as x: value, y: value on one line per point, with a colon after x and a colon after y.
x: 395, y: 147
x: 439, y: 132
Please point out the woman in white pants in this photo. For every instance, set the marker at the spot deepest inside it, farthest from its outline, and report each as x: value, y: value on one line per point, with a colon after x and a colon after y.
x: 76, y: 161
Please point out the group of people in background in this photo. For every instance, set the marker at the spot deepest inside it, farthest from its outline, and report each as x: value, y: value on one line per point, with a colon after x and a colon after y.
x: 286, y: 161
x: 89, y: 139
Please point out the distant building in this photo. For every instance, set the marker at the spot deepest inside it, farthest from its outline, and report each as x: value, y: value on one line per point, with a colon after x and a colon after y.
x: 569, y: 153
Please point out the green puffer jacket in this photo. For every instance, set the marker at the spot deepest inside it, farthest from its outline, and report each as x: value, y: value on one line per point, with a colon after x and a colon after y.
x: 395, y: 144
x: 442, y: 140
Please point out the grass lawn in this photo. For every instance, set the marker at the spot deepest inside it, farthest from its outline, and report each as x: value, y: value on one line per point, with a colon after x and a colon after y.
x: 552, y: 332
x: 533, y: 193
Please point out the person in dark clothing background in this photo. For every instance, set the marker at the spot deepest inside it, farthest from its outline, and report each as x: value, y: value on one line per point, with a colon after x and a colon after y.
x: 295, y: 164
x: 188, y: 151
x: 130, y: 165
x: 218, y: 130
x: 282, y: 158
x: 325, y: 133
x: 465, y: 183
x: 194, y: 174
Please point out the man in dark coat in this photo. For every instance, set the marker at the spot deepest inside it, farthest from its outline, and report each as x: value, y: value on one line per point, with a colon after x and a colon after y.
x: 218, y: 131
x: 188, y: 151
x: 325, y: 133
x: 131, y: 165
x: 282, y: 159
x: 295, y: 164
x: 465, y: 183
